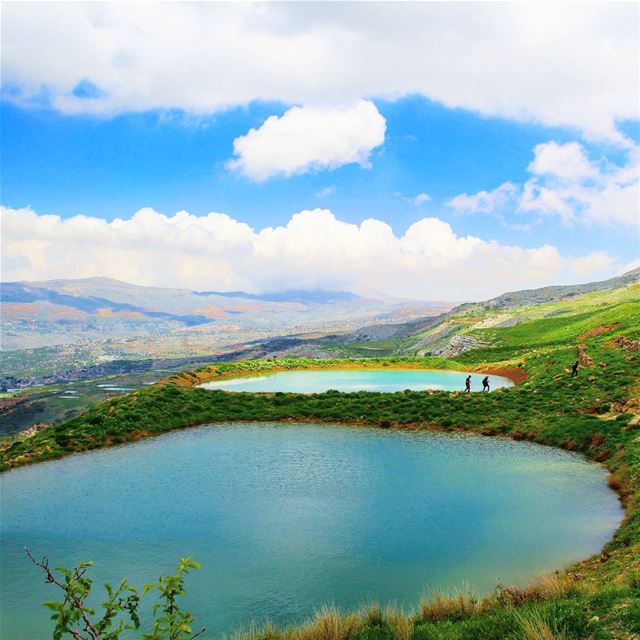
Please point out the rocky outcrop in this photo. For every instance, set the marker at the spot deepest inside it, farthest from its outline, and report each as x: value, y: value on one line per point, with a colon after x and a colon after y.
x: 622, y: 342
x: 459, y: 344
x: 433, y: 343
x: 597, y: 331
x: 584, y: 358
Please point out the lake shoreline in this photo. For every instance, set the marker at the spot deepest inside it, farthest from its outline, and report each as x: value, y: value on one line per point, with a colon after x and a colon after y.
x: 516, y: 373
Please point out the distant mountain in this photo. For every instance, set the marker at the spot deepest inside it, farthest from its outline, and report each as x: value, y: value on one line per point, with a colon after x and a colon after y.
x: 18, y: 292
x: 57, y: 327
x: 112, y: 289
x: 169, y: 322
x: 90, y: 294
x: 301, y: 297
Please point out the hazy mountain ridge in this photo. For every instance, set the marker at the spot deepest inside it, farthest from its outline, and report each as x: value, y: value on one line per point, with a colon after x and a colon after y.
x: 554, y: 292
x: 78, y: 324
x: 88, y: 321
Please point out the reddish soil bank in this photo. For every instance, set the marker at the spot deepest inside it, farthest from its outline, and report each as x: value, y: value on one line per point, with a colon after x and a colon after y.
x: 515, y: 374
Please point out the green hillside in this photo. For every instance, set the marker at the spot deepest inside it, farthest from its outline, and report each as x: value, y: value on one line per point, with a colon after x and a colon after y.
x: 486, y: 324
x: 510, y: 327
x: 596, y: 413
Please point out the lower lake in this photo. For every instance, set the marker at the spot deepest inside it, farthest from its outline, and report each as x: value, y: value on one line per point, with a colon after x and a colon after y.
x: 385, y: 380
x: 287, y: 517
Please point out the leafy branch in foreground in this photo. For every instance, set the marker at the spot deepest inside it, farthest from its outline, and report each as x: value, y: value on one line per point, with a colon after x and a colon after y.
x: 119, y: 612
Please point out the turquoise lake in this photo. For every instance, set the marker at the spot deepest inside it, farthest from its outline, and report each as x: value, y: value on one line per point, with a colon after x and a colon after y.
x: 385, y: 380
x: 286, y: 518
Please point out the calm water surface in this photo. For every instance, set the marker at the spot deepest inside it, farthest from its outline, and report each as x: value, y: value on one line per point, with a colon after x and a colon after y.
x: 285, y: 518
x: 387, y: 380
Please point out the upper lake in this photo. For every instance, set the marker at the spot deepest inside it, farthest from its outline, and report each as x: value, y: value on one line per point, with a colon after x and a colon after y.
x: 384, y: 380
x: 286, y: 518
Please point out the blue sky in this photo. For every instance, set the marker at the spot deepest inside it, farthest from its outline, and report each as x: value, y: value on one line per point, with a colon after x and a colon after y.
x: 110, y: 168
x: 82, y: 150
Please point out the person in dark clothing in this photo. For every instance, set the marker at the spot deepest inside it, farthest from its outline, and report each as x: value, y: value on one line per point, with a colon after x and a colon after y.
x: 467, y: 385
x: 574, y: 368
x: 485, y: 384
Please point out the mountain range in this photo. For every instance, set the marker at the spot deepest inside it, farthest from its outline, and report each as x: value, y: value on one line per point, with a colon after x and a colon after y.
x: 57, y: 323
x: 61, y: 381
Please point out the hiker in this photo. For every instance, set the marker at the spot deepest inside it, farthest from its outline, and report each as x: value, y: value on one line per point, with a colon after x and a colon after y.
x: 574, y: 368
x: 485, y: 384
x: 467, y: 385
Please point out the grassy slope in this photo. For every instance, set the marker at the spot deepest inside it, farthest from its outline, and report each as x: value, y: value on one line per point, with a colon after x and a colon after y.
x: 595, y: 413
x: 471, y: 318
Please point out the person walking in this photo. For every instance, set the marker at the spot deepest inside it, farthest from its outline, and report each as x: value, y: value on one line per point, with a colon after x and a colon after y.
x: 485, y: 384
x: 574, y: 368
x: 467, y: 385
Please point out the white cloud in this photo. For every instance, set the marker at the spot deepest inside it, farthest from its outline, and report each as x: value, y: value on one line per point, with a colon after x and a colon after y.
x: 561, y: 160
x: 485, y: 201
x: 539, y: 199
x: 421, y: 198
x: 567, y: 64
x: 306, y: 139
x: 416, y: 201
x: 567, y: 185
x: 314, y: 250
x: 326, y: 191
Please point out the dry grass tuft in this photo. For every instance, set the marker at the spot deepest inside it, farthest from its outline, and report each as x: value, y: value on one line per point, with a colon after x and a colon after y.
x: 552, y: 585
x: 447, y: 606
x: 253, y: 632
x: 400, y: 623
x: 371, y: 614
x: 328, y: 624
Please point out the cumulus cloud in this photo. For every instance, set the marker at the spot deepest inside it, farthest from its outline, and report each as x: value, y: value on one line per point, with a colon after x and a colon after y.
x: 306, y: 139
x: 567, y: 161
x: 485, y: 201
x: 566, y: 184
x: 568, y: 64
x: 313, y: 250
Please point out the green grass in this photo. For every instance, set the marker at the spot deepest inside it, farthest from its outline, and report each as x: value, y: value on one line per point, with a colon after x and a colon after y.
x: 559, y: 320
x: 378, y: 348
x: 596, y: 413
x: 554, y: 331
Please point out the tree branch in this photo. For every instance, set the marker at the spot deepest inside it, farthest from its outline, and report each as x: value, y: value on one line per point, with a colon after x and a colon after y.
x: 78, y: 604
